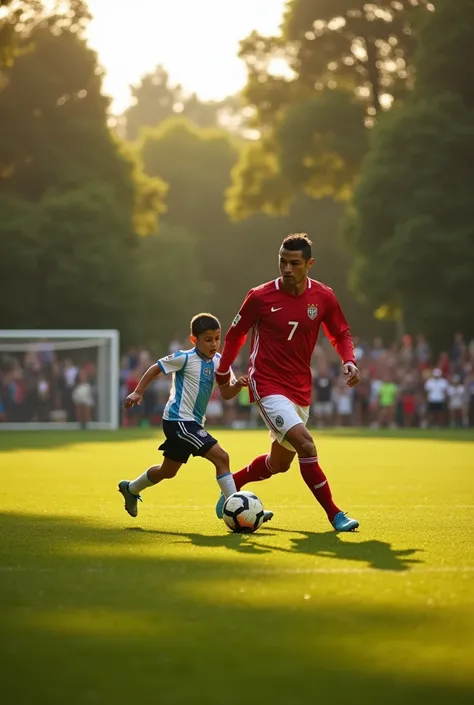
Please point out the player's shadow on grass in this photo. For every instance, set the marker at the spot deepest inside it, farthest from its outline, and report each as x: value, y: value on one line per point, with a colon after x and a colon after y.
x: 375, y: 554
x: 243, y: 543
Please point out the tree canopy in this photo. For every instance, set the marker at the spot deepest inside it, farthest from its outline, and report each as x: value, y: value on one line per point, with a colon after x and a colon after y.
x: 411, y: 223
x: 314, y: 90
x: 73, y: 199
x: 155, y: 99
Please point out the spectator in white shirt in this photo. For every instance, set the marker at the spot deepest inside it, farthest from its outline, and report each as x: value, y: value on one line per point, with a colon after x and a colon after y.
x: 436, y: 388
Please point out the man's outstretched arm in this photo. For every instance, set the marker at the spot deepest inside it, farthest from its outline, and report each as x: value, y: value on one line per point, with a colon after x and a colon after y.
x: 236, y: 336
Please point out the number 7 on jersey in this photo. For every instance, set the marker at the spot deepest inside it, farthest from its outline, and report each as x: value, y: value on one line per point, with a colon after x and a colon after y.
x: 292, y: 332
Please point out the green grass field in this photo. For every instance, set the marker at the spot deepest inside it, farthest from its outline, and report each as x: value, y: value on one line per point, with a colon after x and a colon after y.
x: 171, y: 609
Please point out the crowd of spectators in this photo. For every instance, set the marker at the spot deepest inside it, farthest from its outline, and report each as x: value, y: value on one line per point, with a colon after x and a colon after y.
x: 402, y: 385
x: 42, y: 385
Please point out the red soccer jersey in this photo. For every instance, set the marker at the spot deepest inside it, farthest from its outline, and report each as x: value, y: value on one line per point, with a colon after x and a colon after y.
x: 285, y: 330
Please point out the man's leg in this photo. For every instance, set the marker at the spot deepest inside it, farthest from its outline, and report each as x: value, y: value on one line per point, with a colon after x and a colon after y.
x: 314, y: 477
x: 265, y: 466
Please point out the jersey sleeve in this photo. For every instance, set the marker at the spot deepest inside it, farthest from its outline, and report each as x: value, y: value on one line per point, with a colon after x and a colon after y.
x: 172, y: 363
x: 337, y: 330
x: 246, y: 318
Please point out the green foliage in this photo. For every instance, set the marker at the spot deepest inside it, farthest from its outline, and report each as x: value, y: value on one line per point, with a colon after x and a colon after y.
x: 170, y: 286
x: 232, y: 257
x: 196, y: 166
x: 322, y: 143
x: 257, y: 174
x: 20, y: 18
x: 74, y: 200
x: 445, y: 58
x: 314, y: 90
x: 155, y: 100
x: 413, y: 213
x: 364, y: 46
x: 65, y: 259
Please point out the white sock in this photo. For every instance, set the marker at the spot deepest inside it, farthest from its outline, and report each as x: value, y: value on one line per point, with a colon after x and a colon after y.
x: 141, y: 483
x: 227, y: 484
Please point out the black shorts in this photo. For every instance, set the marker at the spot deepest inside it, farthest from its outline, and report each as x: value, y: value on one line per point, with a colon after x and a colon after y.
x: 436, y: 406
x: 185, y: 438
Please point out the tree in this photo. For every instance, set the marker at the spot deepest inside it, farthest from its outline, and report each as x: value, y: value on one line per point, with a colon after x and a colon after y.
x: 412, y: 218
x: 65, y: 260
x: 74, y: 201
x: 315, y: 89
x: 230, y: 256
x: 155, y: 99
x: 169, y: 285
x: 196, y: 164
x: 317, y: 149
x: 20, y: 18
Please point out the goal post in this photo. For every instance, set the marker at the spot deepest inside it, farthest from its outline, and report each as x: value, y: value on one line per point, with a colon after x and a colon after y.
x: 59, y: 379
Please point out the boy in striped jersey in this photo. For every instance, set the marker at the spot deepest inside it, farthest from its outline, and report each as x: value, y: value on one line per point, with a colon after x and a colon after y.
x: 184, y: 415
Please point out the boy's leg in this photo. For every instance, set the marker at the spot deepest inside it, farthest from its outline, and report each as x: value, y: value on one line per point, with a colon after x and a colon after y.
x: 152, y: 476
x: 220, y: 459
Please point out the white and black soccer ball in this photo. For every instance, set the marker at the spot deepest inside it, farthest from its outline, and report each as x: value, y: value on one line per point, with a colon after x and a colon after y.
x: 243, y: 512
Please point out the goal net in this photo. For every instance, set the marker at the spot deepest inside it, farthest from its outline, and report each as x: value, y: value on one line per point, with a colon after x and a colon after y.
x: 61, y: 379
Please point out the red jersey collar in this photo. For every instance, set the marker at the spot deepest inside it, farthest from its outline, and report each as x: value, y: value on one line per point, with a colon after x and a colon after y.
x: 278, y: 281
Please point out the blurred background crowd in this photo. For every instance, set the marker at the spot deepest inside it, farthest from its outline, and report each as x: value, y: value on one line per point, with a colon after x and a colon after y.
x: 402, y: 385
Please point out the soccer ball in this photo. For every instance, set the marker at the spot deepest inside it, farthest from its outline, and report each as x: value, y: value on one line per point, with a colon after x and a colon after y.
x: 243, y: 512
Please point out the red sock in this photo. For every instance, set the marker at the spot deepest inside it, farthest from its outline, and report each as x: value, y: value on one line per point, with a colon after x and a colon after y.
x: 258, y: 469
x: 318, y: 484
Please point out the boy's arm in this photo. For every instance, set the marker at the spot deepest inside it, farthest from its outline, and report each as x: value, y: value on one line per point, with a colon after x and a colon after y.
x: 236, y: 336
x: 231, y: 390
x: 136, y: 396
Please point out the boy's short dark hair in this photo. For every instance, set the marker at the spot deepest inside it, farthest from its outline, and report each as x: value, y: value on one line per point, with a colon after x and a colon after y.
x: 202, y: 322
x: 298, y: 242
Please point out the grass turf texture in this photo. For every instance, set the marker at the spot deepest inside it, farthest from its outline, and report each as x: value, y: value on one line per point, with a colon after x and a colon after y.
x: 170, y: 608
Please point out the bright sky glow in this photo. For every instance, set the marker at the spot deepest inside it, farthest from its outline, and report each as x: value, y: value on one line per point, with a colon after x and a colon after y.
x: 196, y: 41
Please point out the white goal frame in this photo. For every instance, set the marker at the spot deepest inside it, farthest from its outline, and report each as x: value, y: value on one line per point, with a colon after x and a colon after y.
x: 107, y: 375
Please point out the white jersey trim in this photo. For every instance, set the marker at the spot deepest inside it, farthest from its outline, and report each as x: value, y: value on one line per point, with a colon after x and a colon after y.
x: 253, y: 356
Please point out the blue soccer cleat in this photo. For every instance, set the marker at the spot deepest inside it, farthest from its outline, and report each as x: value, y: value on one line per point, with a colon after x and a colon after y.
x: 267, y: 514
x: 342, y: 522
x: 220, y: 506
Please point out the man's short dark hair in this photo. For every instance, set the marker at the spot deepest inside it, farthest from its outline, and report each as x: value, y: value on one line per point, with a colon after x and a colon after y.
x: 202, y: 322
x: 298, y: 242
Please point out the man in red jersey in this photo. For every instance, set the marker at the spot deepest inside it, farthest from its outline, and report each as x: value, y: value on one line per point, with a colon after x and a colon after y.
x: 285, y: 316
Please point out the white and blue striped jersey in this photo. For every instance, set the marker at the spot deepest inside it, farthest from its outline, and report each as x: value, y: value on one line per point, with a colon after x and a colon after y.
x: 193, y: 383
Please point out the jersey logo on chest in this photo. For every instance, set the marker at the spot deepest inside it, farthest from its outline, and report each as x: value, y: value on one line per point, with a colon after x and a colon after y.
x: 312, y: 311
